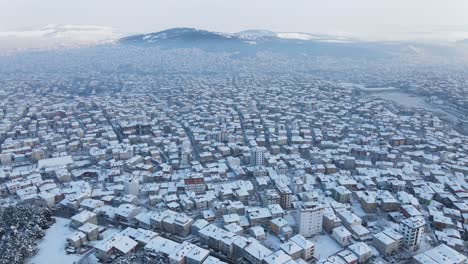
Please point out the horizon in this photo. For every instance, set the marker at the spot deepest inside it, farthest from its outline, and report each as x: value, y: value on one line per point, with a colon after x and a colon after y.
x: 364, y: 20
x: 56, y: 36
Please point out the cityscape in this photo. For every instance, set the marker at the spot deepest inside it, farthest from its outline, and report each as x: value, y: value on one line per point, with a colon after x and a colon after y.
x: 193, y: 146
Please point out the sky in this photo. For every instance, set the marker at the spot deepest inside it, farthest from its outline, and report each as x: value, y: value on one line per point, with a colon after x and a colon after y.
x: 426, y: 20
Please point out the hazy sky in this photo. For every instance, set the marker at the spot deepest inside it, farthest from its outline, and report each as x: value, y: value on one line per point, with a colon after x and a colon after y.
x: 379, y: 19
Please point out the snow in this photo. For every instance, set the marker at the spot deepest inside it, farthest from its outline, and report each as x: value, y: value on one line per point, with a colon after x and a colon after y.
x: 290, y: 218
x: 251, y: 42
x: 426, y: 243
x: 109, y: 233
x: 316, y: 37
x: 336, y: 40
x: 415, y: 49
x: 51, y: 248
x: 413, y: 101
x: 404, y: 99
x: 54, y: 162
x: 272, y: 242
x: 325, y: 246
x: 300, y: 36
x: 254, y: 34
x: 357, y: 209
x: 80, y: 32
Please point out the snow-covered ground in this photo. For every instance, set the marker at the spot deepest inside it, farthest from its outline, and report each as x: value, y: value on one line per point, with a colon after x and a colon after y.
x: 292, y: 35
x: 325, y: 246
x: 404, y: 99
x: 272, y: 242
x: 290, y: 218
x: 51, y: 249
x: 409, y: 100
x: 357, y: 209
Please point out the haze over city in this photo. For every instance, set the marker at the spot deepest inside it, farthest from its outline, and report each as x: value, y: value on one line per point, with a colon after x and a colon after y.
x: 250, y: 132
x: 399, y: 20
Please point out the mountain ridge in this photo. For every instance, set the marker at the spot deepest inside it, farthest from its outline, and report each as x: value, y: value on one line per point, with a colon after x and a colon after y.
x: 249, y: 42
x: 249, y: 35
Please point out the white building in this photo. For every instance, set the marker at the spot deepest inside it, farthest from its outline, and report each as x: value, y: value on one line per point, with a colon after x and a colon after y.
x: 309, y: 217
x: 362, y: 251
x: 185, y: 155
x: 257, y: 157
x: 342, y: 235
x: 441, y: 254
x: 132, y: 186
x: 308, y: 248
x: 412, y: 229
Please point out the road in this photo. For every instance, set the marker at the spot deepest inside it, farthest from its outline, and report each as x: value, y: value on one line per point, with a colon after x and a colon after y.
x: 119, y: 134
x: 85, y: 258
x: 241, y: 118
x: 196, y: 151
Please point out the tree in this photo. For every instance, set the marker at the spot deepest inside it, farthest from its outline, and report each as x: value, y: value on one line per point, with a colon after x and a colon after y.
x: 20, y: 226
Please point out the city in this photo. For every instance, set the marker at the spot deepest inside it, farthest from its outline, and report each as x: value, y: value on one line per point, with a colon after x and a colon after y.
x: 192, y: 146
x: 269, y: 169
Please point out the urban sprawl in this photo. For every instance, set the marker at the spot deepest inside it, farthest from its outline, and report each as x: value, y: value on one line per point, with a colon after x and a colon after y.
x: 239, y: 168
